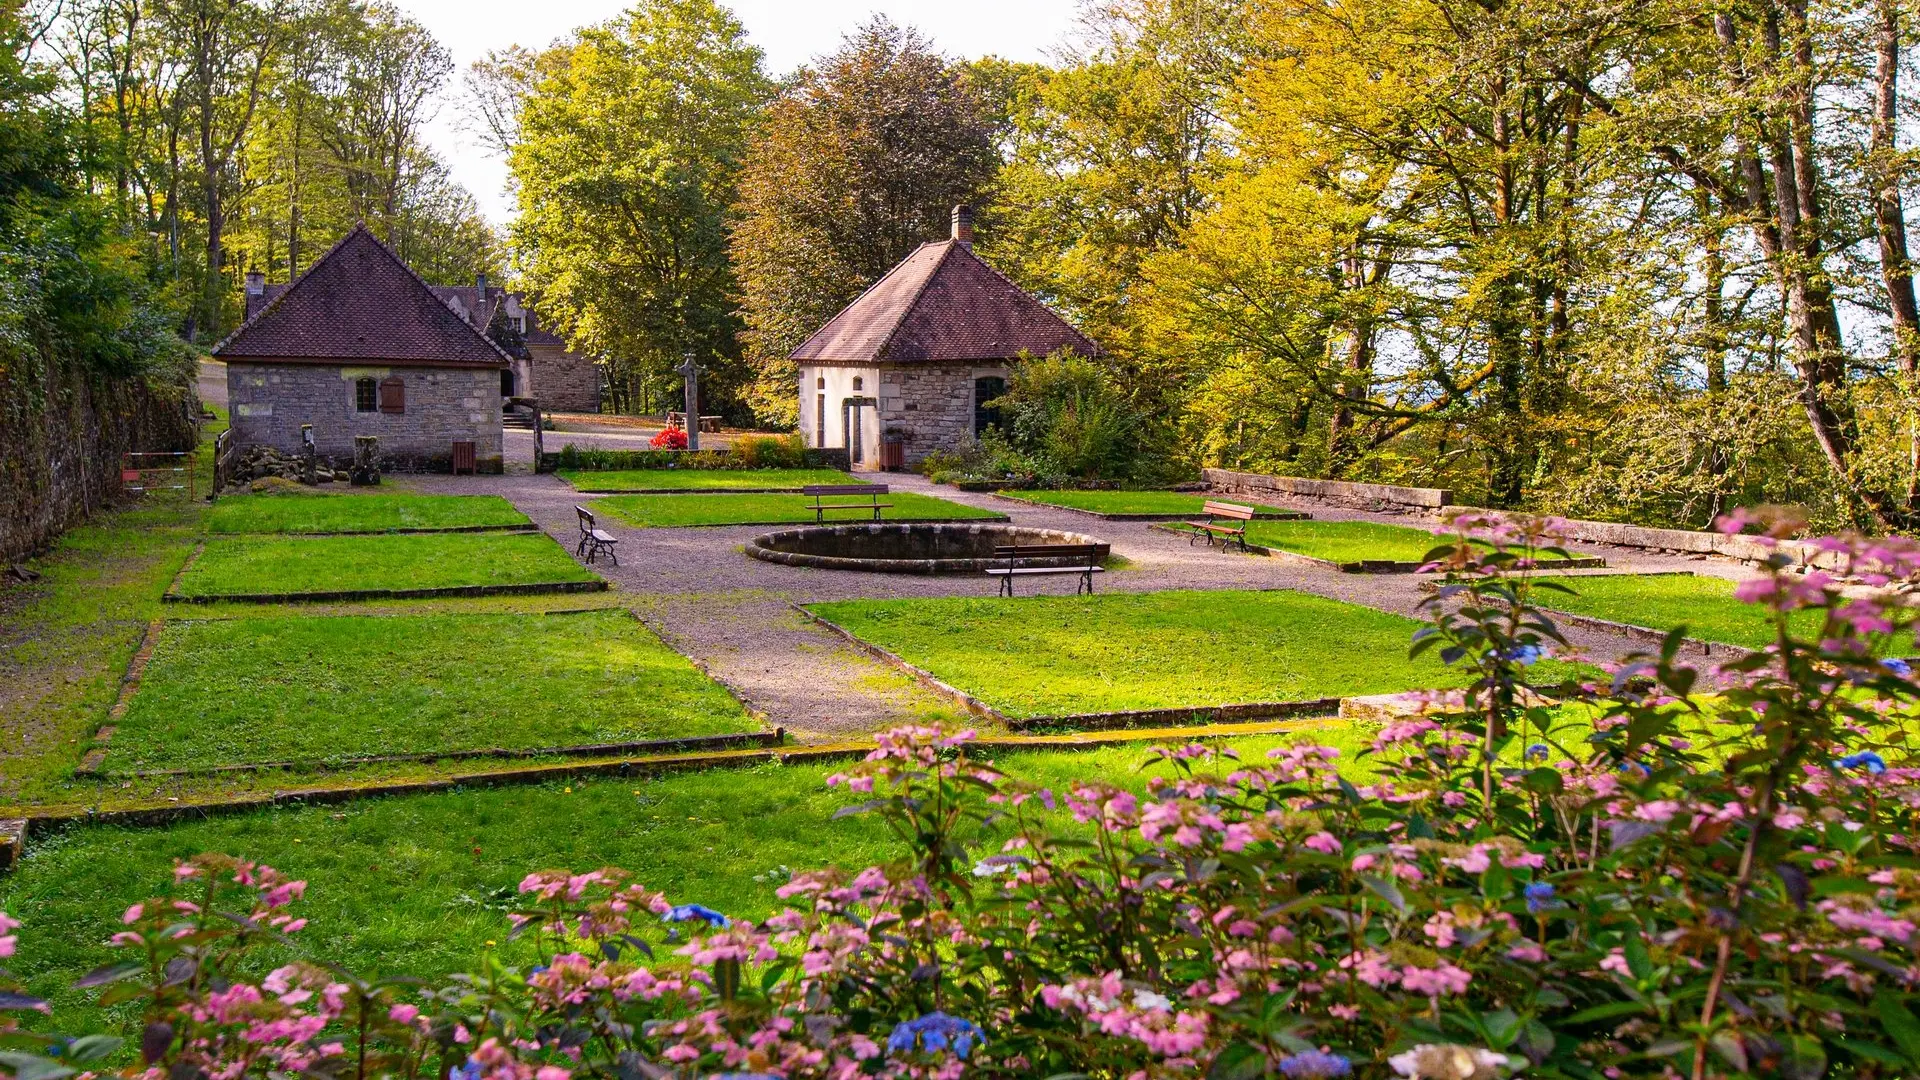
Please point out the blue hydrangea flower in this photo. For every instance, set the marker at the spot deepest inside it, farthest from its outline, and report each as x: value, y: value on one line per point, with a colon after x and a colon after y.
x: 1539, y: 895
x: 1636, y: 769
x: 1897, y: 667
x: 1525, y: 654
x: 933, y: 1033
x: 1865, y: 759
x: 691, y: 912
x: 1315, y: 1065
x: 1539, y: 752
x: 470, y: 1071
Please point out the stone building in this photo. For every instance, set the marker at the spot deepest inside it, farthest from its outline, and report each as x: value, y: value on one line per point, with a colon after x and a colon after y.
x: 544, y: 370
x: 916, y: 357
x: 360, y: 345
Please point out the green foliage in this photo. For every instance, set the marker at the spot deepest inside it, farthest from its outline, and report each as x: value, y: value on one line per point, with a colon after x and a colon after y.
x: 770, y: 451
x: 232, y: 566
x: 661, y: 511
x: 219, y: 692
x: 1067, y: 418
x: 628, y: 149
x: 857, y: 162
x: 577, y: 458
x: 1055, y: 655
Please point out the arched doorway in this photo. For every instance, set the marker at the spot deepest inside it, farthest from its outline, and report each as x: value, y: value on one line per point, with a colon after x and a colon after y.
x: 506, y: 382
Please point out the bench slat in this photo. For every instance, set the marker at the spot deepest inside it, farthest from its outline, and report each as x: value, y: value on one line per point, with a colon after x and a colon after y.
x: 1228, y: 510
x: 1048, y: 570
x: 818, y: 490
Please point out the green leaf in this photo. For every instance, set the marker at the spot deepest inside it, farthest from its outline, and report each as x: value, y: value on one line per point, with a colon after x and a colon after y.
x: 1870, y: 1051
x: 1638, y: 961
x: 93, y: 1047
x: 1239, y: 1061
x: 33, y: 1066
x: 1899, y: 1022
x: 1386, y: 890
x: 1605, y: 1012
x: 1545, y: 781
x: 1502, y: 1026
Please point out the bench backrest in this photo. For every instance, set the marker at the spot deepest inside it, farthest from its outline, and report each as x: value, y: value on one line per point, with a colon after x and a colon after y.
x: 1228, y: 510
x: 586, y: 519
x: 1048, y: 551
x: 817, y: 490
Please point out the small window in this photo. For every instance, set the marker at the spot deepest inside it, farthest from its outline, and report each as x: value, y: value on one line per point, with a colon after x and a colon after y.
x: 363, y: 396
x: 519, y: 324
x: 393, y: 395
x: 859, y: 383
x: 820, y: 383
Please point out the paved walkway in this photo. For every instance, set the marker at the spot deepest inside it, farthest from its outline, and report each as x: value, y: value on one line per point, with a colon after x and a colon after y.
x: 734, y: 615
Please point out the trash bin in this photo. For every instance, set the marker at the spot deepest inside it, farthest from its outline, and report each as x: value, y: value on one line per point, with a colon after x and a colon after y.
x: 893, y: 453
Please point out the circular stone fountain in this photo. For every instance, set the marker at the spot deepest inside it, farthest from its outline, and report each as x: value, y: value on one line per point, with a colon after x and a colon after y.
x: 942, y: 548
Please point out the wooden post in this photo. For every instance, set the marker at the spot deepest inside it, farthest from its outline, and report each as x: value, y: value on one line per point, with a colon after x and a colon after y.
x: 539, y: 443
x: 692, y: 375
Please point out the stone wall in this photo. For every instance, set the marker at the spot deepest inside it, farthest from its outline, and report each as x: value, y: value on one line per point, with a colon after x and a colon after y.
x: 444, y: 405
x: 931, y: 406
x: 1340, y: 492
x: 62, y: 431
x: 563, y: 381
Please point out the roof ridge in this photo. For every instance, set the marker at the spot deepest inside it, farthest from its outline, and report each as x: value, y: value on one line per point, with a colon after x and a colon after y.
x: 441, y: 304
x: 877, y: 282
x: 358, y: 226
x: 1011, y: 284
x: 914, y: 300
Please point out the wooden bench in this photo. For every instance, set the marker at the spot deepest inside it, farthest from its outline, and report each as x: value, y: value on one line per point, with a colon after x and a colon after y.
x: 1212, y: 528
x: 594, y: 541
x: 707, y: 423
x: 1085, y: 561
x: 821, y: 492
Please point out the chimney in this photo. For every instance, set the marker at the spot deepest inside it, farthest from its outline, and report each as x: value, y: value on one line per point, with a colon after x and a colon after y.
x: 963, y: 225
x: 256, y: 283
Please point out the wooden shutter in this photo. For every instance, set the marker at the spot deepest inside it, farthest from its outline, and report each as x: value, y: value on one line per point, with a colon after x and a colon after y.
x: 393, y: 395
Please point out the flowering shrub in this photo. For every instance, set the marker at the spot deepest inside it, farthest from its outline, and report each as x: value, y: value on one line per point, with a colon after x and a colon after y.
x: 671, y: 437
x: 1645, y: 879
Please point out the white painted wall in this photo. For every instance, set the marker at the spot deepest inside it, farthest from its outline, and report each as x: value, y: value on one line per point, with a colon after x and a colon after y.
x: 838, y: 384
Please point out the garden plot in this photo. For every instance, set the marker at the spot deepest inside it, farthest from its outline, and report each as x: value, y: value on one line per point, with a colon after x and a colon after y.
x: 669, y: 511
x: 1352, y: 546
x: 1144, y: 505
x: 1660, y: 602
x: 1059, y: 656
x: 330, y: 690
x: 646, y: 481
x: 356, y: 512
x: 350, y: 567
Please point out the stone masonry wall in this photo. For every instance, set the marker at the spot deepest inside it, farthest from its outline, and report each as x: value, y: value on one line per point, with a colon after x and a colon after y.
x: 444, y: 405
x: 563, y: 381
x: 932, y: 406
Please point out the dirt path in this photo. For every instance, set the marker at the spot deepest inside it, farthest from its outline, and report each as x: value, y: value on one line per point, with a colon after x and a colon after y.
x: 733, y: 614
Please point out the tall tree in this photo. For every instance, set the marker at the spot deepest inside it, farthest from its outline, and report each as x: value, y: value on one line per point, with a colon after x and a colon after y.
x: 627, y: 157
x: 860, y: 160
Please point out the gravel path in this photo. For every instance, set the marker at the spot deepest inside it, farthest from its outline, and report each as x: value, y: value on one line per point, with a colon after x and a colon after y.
x: 733, y: 614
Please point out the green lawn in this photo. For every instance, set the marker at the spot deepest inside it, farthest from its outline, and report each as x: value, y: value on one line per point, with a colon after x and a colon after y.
x: 662, y: 511
x: 1344, y: 541
x: 256, y: 690
x: 419, y: 885
x: 703, y: 479
x: 1138, y: 502
x: 1662, y: 602
x: 343, y: 512
x: 234, y: 566
x: 1057, y: 655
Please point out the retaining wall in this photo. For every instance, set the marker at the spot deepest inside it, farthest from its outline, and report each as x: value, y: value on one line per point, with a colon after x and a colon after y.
x: 1685, y: 541
x: 1365, y: 496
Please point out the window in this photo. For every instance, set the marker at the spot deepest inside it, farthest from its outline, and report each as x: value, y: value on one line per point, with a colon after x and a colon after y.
x: 858, y: 384
x: 820, y: 383
x: 986, y: 389
x: 363, y: 396
x: 519, y: 324
x: 393, y: 395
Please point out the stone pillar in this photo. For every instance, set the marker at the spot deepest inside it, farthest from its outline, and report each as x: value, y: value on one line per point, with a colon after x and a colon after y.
x: 366, y: 461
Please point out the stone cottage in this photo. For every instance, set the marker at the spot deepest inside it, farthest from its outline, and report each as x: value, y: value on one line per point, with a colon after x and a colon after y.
x: 360, y: 345
x: 916, y: 357
x: 545, y: 369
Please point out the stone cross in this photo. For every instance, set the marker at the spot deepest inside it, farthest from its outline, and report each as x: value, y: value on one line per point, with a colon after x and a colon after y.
x: 692, y: 374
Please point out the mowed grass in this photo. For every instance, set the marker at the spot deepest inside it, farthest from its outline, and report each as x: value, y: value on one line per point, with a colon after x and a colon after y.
x: 669, y: 511
x: 702, y: 479
x: 1344, y: 541
x: 1170, y: 503
x: 1058, y: 655
x: 1705, y: 605
x: 419, y: 885
x: 232, y: 566
x: 312, y: 690
x: 344, y: 512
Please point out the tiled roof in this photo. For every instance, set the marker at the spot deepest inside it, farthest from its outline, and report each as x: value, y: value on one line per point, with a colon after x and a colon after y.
x: 360, y: 302
x: 942, y: 303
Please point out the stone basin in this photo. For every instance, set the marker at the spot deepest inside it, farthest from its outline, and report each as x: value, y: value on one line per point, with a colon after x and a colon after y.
x: 917, y: 548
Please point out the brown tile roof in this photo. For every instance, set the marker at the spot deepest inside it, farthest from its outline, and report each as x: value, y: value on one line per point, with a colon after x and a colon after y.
x: 942, y: 303
x: 359, y: 302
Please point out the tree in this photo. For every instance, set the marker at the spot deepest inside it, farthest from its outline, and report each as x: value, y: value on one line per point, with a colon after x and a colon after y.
x: 626, y: 161
x: 861, y: 159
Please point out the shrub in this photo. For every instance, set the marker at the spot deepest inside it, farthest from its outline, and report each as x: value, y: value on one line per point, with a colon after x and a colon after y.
x: 770, y: 452
x: 1676, y: 884
x: 1069, y: 421
x: 672, y: 437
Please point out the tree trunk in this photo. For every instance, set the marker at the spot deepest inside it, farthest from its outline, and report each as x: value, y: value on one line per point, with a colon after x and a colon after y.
x: 1890, y: 223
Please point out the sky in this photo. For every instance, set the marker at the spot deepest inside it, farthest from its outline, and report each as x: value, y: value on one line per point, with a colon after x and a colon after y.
x: 791, y: 32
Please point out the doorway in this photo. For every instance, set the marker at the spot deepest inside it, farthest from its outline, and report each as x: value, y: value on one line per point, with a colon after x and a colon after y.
x: 506, y: 382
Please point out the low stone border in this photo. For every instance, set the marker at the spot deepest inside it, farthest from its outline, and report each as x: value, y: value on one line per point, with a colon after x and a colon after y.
x: 1336, y: 490
x: 16, y: 832
x: 761, y: 547
x: 523, y: 527
x: 91, y: 761
x: 1200, y: 715
x: 1374, y: 566
x: 1647, y: 634
x: 533, y: 588
x: 918, y: 674
x: 644, y: 747
x: 1283, y: 515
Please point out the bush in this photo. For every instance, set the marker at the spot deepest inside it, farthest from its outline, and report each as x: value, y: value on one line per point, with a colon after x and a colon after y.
x: 770, y: 451
x: 1066, y: 418
x: 672, y: 437
x: 1657, y: 883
